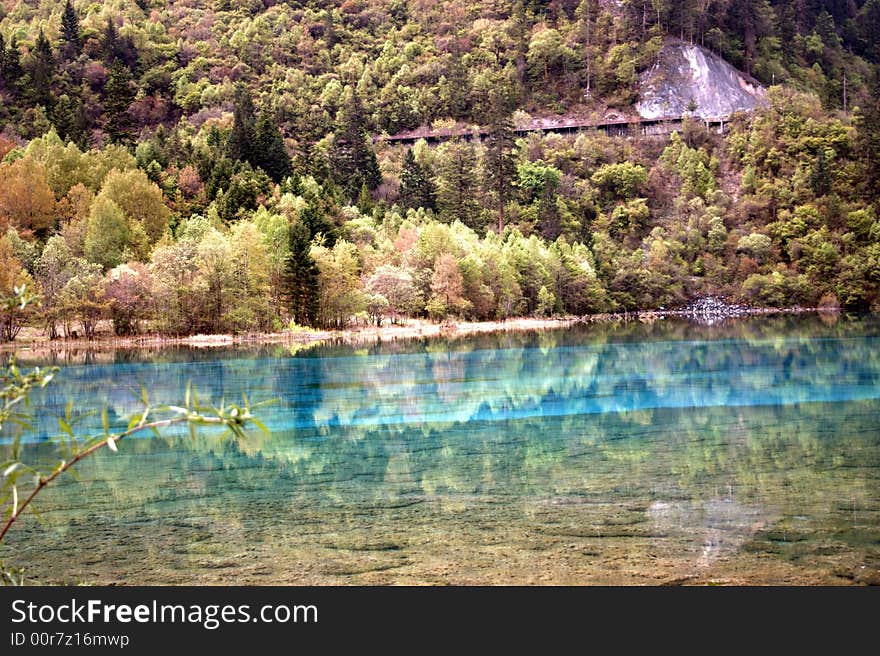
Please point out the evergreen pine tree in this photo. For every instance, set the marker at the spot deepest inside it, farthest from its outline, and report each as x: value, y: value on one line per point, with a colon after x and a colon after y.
x: 519, y: 32
x: 329, y: 30
x: 316, y: 223
x: 118, y: 96
x: 300, y: 279
x: 354, y: 161
x: 269, y: 152
x: 12, y: 71
x: 364, y: 200
x: 42, y: 67
x: 110, y: 42
x: 218, y: 177
x: 499, y: 167
x: 456, y: 192
x: 868, y: 22
x: 70, y: 31
x: 2, y: 61
x: 549, y: 220
x: 868, y: 142
x: 458, y: 97
x: 416, y: 187
x: 292, y: 184
x: 819, y: 176
x: 243, y: 136
x: 63, y: 117
x: 70, y: 121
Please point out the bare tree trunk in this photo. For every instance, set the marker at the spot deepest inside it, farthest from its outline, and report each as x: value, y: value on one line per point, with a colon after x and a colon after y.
x: 501, y: 199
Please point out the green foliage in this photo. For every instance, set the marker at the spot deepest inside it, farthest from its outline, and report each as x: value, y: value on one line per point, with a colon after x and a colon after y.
x: 118, y: 96
x: 499, y: 166
x: 140, y: 199
x: 270, y: 153
x: 138, y: 137
x: 755, y: 245
x: 623, y: 180
x: 42, y: 65
x: 70, y: 30
x: 628, y: 217
x: 15, y: 292
x: 416, y: 187
x: 779, y: 288
x: 694, y: 167
x: 341, y: 291
x: 245, y: 188
x: 536, y: 179
x: 457, y: 184
x: 546, y: 302
x: 820, y: 175
x: 110, y: 238
x: 300, y: 279
x: 353, y: 159
x: 242, y: 140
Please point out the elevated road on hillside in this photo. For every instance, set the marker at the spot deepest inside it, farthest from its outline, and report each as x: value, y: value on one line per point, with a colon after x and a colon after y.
x: 610, y: 126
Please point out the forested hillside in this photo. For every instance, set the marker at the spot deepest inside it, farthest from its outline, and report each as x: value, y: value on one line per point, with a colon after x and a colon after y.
x: 213, y: 166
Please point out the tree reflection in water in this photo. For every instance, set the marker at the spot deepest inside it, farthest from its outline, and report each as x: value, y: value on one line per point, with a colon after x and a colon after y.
x: 745, y: 452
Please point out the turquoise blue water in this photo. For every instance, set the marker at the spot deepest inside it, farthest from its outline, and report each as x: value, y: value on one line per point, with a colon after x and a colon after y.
x: 747, y: 452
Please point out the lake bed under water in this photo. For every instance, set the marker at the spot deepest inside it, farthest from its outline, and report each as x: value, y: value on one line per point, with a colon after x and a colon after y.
x: 638, y: 454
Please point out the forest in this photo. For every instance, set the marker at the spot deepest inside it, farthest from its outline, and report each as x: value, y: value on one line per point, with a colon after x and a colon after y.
x: 218, y: 167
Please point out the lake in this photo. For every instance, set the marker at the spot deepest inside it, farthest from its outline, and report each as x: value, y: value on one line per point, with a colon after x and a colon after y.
x: 664, y: 453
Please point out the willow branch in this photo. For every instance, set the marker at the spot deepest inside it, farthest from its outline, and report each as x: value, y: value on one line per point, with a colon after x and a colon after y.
x: 44, y: 481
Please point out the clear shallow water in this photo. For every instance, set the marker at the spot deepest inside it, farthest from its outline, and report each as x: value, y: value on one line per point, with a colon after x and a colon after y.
x: 658, y: 453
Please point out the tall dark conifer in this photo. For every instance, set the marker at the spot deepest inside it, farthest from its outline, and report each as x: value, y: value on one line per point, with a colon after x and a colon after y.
x: 300, y: 281
x: 458, y: 84
x: 110, y: 42
x: 70, y: 121
x: 12, y: 71
x: 499, y: 166
x: 269, y: 151
x: 416, y: 187
x: 118, y: 96
x: 519, y: 32
x: 868, y: 142
x: 353, y: 159
x: 241, y: 145
x: 2, y: 61
x: 42, y: 66
x: 72, y: 42
x: 820, y: 175
x: 115, y: 47
x: 457, y: 184
x: 868, y: 22
x: 315, y: 221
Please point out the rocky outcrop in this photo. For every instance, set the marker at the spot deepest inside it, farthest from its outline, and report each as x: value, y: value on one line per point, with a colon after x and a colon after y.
x: 715, y: 307
x: 688, y: 77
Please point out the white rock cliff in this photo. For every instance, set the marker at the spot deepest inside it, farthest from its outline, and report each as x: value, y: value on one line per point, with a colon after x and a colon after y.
x: 687, y: 76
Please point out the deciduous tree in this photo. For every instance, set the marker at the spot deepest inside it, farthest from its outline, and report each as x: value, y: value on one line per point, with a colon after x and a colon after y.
x: 26, y: 201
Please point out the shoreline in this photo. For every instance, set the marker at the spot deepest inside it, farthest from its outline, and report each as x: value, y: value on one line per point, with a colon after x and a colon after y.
x: 35, y: 341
